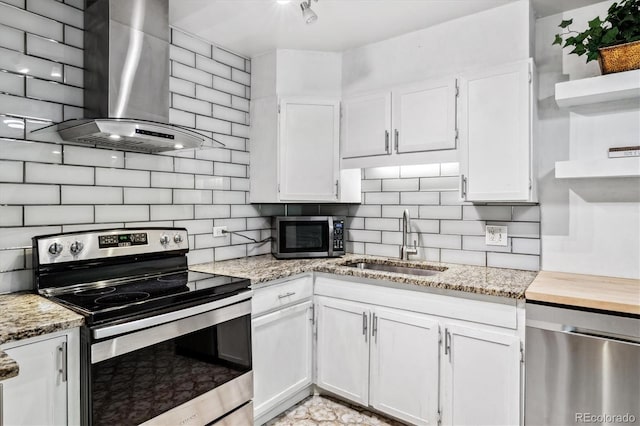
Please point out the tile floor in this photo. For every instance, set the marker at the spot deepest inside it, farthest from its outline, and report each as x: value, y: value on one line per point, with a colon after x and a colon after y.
x: 321, y: 410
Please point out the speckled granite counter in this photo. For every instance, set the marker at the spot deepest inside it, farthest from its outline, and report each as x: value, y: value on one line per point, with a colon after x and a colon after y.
x: 509, y: 283
x: 24, y: 315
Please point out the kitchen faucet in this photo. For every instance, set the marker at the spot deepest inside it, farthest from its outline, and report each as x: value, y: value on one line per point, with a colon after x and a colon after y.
x: 406, y: 249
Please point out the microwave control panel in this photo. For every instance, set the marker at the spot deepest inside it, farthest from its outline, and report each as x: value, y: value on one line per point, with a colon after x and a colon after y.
x: 338, y: 235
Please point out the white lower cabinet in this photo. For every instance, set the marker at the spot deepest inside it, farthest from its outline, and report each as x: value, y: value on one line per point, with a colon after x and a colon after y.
x: 481, y: 377
x: 381, y: 357
x: 45, y: 390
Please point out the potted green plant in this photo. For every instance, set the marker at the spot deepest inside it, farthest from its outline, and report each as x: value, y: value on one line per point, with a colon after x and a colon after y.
x: 614, y: 41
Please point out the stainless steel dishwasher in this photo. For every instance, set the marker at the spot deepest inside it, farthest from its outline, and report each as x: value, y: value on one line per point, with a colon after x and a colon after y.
x: 582, y: 367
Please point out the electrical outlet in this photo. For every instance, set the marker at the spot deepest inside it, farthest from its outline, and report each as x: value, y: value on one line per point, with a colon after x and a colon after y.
x: 218, y: 231
x: 496, y: 235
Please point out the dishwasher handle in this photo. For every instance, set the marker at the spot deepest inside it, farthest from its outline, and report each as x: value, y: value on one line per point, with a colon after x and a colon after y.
x: 599, y: 335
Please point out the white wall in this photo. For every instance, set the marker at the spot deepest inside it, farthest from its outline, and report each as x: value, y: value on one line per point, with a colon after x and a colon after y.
x: 589, y: 226
x: 491, y: 37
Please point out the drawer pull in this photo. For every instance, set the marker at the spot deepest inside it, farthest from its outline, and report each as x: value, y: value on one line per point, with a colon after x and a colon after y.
x: 282, y: 296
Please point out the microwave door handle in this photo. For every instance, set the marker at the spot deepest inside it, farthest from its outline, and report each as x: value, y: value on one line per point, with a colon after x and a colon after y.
x: 330, y: 242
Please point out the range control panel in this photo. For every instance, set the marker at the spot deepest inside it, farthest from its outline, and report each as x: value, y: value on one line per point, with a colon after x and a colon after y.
x: 338, y: 235
x: 122, y: 240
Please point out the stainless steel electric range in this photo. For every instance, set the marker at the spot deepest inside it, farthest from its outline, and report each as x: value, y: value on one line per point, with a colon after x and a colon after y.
x: 161, y: 344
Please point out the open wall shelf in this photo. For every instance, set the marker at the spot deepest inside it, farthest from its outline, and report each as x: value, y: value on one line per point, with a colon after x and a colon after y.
x: 601, y: 168
x: 604, y: 88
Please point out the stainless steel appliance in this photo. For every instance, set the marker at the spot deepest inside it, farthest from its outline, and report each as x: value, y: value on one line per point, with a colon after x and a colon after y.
x: 161, y: 344
x: 308, y: 236
x: 581, y: 366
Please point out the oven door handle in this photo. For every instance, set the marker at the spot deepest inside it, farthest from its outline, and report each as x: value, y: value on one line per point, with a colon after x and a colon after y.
x: 126, y: 343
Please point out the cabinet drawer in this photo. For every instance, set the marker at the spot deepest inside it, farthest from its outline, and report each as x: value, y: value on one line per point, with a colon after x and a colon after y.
x: 283, y: 294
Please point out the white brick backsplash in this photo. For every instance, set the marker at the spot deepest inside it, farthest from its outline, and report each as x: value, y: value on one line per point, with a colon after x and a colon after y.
x: 213, y: 96
x: 425, y: 226
x: 398, y: 211
x: 388, y: 237
x: 428, y: 253
x: 382, y: 224
x: 73, y: 76
x: 192, y: 196
x: 440, y: 212
x: 241, y: 77
x: 382, y: 198
x: 382, y: 172
x: 204, y: 226
x: 213, y: 124
x: 400, y: 185
x: 513, y: 261
x: 188, y: 73
x: 526, y: 213
x: 12, y: 83
x: 28, y: 65
x: 419, y: 198
x: 228, y: 86
x: 214, y: 154
x: 232, y: 142
x: 53, y: 173
x: 91, y: 227
x: 74, y: 36
x: 258, y: 249
x: 182, y: 55
x: 90, y: 195
x: 171, y: 180
x: 30, y: 108
x: 452, y: 199
x: 486, y: 212
x: 128, y: 213
x: 373, y: 185
x: 420, y: 170
x: 520, y: 229
x: 191, y: 105
x: 213, y: 67
x: 182, y: 87
x: 477, y: 258
x: 230, y: 114
x: 228, y: 197
x: 133, y: 160
x: 450, y: 169
x: 229, y: 252
x: 526, y: 245
x: 11, y: 38
x: 58, y: 11
x: 439, y: 184
x: 147, y: 196
x: 187, y: 165
x: 239, y: 184
x: 49, y: 49
x: 92, y: 157
x: 54, y: 92
x: 239, y: 130
x: 462, y: 227
x: 212, y: 182
x: 195, y: 257
x: 386, y: 250
x: 11, y: 171
x: 16, y: 281
x: 240, y: 103
x: 232, y: 224
x: 11, y: 260
x: 173, y: 212
x: 365, y: 211
x: 10, y: 127
x: 259, y: 223
x: 21, y: 237
x: 244, y: 211
x: 212, y: 212
x: 10, y: 216
x: 19, y: 194
x: 228, y: 169
x: 182, y: 118
x: 364, y: 236
x: 44, y: 215
x: 30, y: 22
x: 440, y: 241
x: 228, y: 58
x: 477, y: 243
x: 189, y: 42
x: 120, y: 177
x: 354, y: 223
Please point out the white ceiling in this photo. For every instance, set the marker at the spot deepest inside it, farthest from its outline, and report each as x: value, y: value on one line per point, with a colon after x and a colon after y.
x: 250, y: 27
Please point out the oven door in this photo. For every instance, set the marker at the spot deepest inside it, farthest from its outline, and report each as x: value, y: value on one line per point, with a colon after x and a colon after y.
x: 192, y: 370
x: 304, y: 237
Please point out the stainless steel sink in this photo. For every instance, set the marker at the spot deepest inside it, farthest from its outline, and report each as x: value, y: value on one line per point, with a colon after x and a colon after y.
x: 410, y: 270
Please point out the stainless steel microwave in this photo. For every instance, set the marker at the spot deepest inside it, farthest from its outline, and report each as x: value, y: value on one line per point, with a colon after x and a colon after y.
x: 308, y: 236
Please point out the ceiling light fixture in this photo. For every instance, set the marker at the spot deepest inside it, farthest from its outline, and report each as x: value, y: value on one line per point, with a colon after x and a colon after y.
x: 308, y: 15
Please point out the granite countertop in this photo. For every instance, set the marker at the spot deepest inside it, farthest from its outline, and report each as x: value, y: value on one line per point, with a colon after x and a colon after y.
x: 27, y: 315
x: 509, y: 283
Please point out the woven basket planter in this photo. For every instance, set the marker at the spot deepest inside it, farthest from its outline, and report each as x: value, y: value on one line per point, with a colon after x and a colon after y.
x: 622, y: 57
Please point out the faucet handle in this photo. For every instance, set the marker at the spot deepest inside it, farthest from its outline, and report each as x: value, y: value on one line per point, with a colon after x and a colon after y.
x: 415, y: 244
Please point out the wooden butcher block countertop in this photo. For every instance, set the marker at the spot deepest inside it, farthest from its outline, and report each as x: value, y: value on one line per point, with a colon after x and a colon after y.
x: 586, y: 291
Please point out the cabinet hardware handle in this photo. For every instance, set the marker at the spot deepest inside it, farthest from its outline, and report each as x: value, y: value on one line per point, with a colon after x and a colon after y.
x: 374, y: 332
x: 337, y: 188
x: 397, y: 140
x: 62, y: 349
x: 463, y: 187
x: 447, y: 343
x: 386, y: 141
x: 364, y: 325
x: 282, y: 296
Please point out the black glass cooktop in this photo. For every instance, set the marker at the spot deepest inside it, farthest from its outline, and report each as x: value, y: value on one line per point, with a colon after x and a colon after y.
x: 130, y: 299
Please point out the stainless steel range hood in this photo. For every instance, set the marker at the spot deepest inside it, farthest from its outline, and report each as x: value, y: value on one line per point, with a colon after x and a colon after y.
x: 126, y: 95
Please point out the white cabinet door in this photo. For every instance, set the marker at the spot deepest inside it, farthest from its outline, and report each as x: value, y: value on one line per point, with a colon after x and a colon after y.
x: 424, y: 116
x: 481, y: 377
x: 282, y: 355
x: 366, y: 125
x: 495, y: 133
x: 404, y: 365
x: 309, y: 149
x: 38, y: 395
x: 343, y: 348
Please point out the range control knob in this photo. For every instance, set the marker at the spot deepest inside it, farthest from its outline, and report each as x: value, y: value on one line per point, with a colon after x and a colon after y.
x: 164, y: 239
x: 177, y: 238
x: 55, y: 249
x: 76, y: 247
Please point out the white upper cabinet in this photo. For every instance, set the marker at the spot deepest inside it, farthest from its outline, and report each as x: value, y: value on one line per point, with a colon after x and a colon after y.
x: 309, y: 146
x: 496, y: 117
x: 409, y: 124
x: 366, y: 125
x: 424, y: 116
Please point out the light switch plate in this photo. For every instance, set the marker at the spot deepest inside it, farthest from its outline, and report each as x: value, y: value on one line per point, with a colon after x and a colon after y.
x: 218, y: 231
x: 496, y: 235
